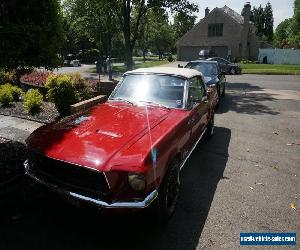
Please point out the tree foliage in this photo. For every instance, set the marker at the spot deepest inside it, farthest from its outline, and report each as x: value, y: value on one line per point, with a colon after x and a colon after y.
x: 287, y: 34
x: 130, y: 14
x: 31, y: 33
x: 183, y: 22
x: 263, y: 20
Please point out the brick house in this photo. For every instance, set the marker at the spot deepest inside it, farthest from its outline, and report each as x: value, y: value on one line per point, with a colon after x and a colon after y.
x: 223, y: 31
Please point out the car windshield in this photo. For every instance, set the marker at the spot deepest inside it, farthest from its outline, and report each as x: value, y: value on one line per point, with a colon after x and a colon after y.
x: 207, y: 69
x: 153, y: 89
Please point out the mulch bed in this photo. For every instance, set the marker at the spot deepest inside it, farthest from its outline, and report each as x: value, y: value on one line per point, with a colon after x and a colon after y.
x: 47, y: 115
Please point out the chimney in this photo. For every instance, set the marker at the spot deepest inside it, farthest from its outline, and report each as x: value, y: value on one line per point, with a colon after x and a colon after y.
x: 206, y: 11
x: 246, y: 13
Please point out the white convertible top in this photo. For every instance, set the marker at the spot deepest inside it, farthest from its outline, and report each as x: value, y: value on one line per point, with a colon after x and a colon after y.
x: 186, y: 73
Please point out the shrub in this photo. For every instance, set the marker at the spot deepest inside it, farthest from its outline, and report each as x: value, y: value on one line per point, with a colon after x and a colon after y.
x: 35, y: 78
x: 62, y: 92
x: 33, y: 101
x: 170, y: 58
x: 6, y: 97
x: 83, y: 91
x: 7, y: 76
x: 14, y: 90
x: 16, y: 93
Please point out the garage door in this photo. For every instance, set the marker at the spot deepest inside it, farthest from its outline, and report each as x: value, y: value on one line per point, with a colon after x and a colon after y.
x: 220, y: 51
x: 189, y: 53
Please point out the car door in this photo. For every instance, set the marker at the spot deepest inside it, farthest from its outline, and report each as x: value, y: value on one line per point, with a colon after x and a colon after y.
x: 198, y: 103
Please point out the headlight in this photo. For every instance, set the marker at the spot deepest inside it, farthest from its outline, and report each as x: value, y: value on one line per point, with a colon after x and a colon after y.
x: 137, y: 181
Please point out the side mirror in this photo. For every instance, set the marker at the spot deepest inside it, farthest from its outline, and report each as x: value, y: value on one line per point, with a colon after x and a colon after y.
x: 179, y: 66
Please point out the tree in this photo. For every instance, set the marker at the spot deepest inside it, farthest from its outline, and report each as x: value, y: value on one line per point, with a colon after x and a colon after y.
x: 269, y: 22
x: 263, y: 20
x: 31, y: 33
x: 282, y: 33
x: 94, y: 24
x: 294, y: 37
x: 161, y: 37
x: 131, y: 25
x: 183, y: 22
x: 258, y: 19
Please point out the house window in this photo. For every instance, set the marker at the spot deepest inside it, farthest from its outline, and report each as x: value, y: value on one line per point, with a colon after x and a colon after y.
x: 215, y: 29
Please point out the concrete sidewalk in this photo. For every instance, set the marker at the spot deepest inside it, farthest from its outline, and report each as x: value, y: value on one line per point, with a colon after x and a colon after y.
x: 16, y: 129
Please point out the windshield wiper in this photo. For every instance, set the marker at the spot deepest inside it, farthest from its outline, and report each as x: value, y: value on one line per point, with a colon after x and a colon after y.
x: 155, y: 104
x: 122, y: 100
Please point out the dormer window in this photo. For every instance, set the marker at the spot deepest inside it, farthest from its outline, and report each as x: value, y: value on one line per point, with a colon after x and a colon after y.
x: 215, y: 29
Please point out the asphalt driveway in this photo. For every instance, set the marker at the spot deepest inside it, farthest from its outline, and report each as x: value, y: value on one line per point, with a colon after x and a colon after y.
x: 245, y: 179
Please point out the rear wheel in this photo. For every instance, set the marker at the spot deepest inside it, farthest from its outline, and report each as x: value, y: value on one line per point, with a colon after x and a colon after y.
x: 168, y: 193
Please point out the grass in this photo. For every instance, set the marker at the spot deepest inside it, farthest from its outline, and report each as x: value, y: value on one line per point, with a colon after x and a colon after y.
x: 271, y: 69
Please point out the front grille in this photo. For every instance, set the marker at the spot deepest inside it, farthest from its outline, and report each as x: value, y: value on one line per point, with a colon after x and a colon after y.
x: 68, y: 176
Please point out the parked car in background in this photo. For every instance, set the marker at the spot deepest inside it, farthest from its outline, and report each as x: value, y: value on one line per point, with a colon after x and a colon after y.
x: 71, y: 61
x: 206, y: 53
x: 214, y: 78
x: 126, y: 153
x: 226, y: 66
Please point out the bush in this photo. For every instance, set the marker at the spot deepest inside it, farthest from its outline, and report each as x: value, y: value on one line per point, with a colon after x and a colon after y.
x: 14, y: 90
x: 33, y: 101
x: 7, y: 76
x: 9, y: 94
x: 62, y: 92
x: 170, y: 58
x: 6, y: 97
x: 36, y: 78
x: 16, y: 93
x: 83, y: 91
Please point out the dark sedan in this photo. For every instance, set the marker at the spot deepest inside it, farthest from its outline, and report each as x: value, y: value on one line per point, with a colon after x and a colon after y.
x: 226, y: 66
x: 213, y: 76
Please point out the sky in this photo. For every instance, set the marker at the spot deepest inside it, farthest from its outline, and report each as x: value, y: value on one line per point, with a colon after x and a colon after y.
x: 282, y: 9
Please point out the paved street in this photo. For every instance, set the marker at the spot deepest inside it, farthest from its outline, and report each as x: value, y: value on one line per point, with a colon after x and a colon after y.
x: 243, y: 180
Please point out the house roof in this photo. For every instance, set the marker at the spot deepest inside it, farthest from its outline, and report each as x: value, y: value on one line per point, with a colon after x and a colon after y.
x: 186, y: 73
x: 230, y: 12
x: 236, y: 17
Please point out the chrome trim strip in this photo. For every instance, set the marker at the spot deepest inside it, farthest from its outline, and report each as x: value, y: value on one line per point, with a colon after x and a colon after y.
x: 191, y: 151
x: 119, y: 204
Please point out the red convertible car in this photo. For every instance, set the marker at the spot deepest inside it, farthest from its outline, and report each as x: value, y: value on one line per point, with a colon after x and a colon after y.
x: 127, y: 153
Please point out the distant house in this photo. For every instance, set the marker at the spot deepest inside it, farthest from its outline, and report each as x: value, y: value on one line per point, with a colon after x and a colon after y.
x: 223, y: 31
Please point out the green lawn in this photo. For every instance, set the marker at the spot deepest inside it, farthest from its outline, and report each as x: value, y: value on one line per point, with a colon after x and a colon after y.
x: 271, y: 69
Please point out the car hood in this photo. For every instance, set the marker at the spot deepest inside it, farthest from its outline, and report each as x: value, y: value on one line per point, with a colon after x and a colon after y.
x: 92, y: 139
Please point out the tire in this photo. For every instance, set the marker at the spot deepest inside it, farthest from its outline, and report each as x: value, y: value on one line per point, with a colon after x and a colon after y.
x: 168, y: 193
x: 223, y: 92
x: 210, y: 127
x: 232, y: 71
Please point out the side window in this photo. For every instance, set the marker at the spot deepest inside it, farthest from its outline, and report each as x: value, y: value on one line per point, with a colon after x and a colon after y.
x: 196, y: 91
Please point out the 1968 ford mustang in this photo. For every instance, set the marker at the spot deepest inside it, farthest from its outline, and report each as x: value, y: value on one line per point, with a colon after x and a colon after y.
x: 127, y: 153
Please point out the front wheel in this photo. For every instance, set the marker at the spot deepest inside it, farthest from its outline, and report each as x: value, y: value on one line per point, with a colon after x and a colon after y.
x: 168, y: 193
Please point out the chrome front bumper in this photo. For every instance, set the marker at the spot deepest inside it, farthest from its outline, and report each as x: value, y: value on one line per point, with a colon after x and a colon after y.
x: 119, y: 204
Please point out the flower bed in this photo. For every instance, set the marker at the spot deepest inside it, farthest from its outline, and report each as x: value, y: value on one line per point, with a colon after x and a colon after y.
x: 37, y: 78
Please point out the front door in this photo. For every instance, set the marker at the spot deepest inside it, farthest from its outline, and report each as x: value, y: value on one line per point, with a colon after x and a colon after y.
x: 199, y: 108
